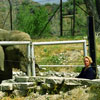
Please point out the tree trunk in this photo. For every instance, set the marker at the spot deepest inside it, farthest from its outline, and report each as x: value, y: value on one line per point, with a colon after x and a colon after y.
x: 94, y: 11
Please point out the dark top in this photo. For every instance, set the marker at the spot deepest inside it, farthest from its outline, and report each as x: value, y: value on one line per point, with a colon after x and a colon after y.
x: 89, y: 73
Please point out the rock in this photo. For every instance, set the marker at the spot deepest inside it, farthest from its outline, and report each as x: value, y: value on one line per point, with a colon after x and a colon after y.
x: 39, y: 79
x: 31, y: 79
x: 6, y: 86
x: 38, y: 89
x: 19, y: 93
x: 22, y: 79
x: 41, y: 74
x: 54, y: 80
x: 23, y: 86
x: 45, y: 86
x: 2, y: 94
x: 8, y: 81
x: 19, y: 73
x: 58, y: 74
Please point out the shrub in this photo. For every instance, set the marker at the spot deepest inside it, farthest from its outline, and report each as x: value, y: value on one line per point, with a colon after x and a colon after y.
x: 32, y: 19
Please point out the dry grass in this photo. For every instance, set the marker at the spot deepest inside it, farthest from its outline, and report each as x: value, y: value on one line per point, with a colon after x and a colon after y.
x: 9, y: 98
x: 43, y: 52
x: 47, y: 51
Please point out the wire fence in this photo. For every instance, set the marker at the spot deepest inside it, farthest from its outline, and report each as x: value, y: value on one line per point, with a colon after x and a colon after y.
x: 53, y: 10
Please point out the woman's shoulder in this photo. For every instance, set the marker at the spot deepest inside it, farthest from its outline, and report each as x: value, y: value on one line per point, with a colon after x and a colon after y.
x: 90, y: 69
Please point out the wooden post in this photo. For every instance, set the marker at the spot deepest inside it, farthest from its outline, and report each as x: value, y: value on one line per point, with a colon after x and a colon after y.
x: 10, y: 4
x: 91, y: 39
x: 73, y: 33
x: 61, y: 20
x: 71, y: 25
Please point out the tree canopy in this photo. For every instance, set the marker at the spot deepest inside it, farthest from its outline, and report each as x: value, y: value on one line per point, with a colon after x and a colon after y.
x: 31, y: 19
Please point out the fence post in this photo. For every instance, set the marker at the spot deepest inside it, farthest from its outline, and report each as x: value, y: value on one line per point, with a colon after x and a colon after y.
x: 61, y: 20
x: 33, y: 60
x: 74, y: 11
x: 10, y: 4
x: 85, y: 49
x: 91, y: 39
x: 29, y: 61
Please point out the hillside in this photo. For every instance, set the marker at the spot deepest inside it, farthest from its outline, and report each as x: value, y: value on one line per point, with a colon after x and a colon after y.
x: 53, y: 17
x: 5, y: 14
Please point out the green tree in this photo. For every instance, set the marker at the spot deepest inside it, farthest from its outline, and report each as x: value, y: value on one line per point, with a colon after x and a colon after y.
x: 32, y: 20
x: 93, y: 9
x: 80, y: 15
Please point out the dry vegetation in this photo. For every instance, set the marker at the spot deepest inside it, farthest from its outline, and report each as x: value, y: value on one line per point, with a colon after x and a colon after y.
x: 79, y: 93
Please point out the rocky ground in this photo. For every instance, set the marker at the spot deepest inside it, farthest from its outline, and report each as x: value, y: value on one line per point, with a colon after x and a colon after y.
x: 72, y: 88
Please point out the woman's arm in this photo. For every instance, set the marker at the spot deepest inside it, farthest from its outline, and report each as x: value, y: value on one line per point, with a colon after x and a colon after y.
x: 81, y: 74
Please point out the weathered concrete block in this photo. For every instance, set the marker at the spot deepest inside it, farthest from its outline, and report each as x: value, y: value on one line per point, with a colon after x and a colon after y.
x: 54, y: 80
x: 95, y: 82
x: 6, y: 86
x: 76, y: 81
x: 19, y: 93
x: 22, y: 79
x: 40, y: 79
x: 23, y: 86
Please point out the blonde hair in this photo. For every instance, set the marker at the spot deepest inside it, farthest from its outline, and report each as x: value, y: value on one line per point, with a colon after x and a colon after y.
x: 90, y: 59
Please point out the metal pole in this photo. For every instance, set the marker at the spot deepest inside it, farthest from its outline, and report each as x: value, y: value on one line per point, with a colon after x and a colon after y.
x: 61, y: 65
x: 91, y: 38
x: 29, y: 61
x: 71, y: 26
x: 85, y: 49
x: 58, y: 42
x: 61, y: 20
x: 49, y: 20
x: 10, y: 4
x: 33, y: 60
x: 73, y: 18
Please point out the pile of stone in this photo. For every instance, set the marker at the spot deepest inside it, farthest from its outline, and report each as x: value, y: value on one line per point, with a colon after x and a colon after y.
x: 49, y: 82
x: 58, y: 74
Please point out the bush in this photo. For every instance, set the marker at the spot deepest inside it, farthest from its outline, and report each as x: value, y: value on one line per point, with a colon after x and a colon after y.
x: 78, y: 69
x: 32, y: 19
x: 98, y: 60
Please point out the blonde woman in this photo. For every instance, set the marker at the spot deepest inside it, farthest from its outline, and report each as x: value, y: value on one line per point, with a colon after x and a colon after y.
x: 87, y: 72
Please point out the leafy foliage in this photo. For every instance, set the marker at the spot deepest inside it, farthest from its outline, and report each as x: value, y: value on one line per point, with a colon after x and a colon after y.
x: 80, y: 15
x: 32, y: 19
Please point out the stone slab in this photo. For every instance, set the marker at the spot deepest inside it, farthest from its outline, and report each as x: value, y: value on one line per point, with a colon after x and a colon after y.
x: 23, y: 86
x: 22, y: 79
x: 6, y: 86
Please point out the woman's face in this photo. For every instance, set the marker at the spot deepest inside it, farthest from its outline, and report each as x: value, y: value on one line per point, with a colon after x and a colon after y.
x: 86, y: 62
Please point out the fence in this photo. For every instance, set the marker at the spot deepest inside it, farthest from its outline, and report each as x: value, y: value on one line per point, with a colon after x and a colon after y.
x: 28, y: 50
x: 31, y: 55
x: 59, y: 15
x: 56, y: 43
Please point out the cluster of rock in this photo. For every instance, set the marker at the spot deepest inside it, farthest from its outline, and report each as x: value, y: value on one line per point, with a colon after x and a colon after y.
x: 58, y: 74
x: 22, y: 85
